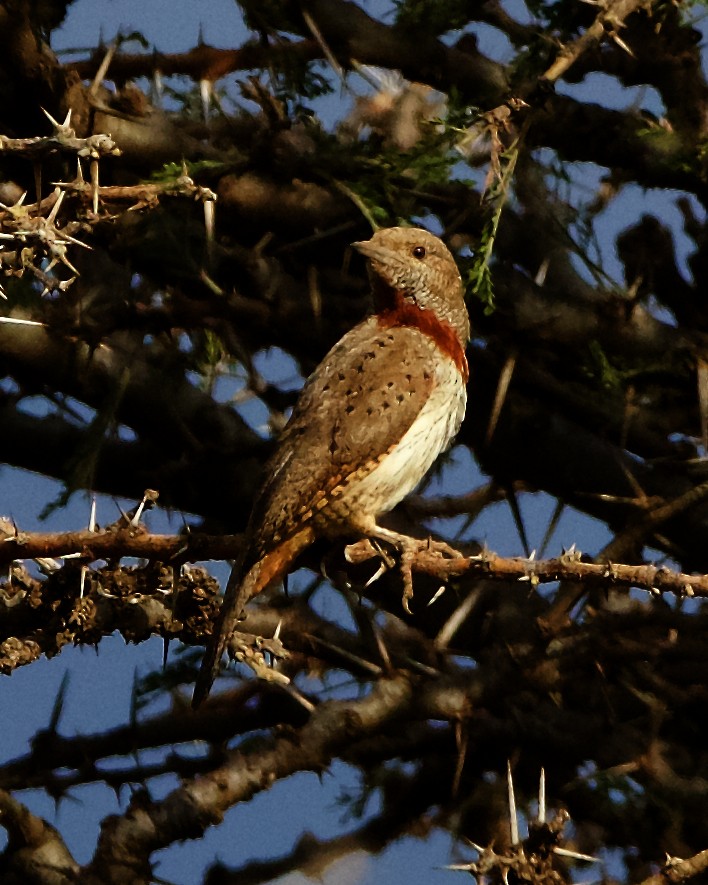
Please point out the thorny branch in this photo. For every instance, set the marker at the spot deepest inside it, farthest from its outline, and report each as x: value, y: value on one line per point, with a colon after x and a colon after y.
x: 64, y: 139
x: 571, y: 566
x: 677, y: 869
x: 610, y: 19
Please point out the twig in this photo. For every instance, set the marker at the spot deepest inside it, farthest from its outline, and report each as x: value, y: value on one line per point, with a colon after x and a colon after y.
x: 677, y: 870
x: 609, y: 20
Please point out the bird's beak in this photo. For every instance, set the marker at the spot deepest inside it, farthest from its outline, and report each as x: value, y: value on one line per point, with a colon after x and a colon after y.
x: 370, y: 250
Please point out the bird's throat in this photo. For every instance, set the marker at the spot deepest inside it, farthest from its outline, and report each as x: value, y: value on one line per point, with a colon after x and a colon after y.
x: 405, y: 313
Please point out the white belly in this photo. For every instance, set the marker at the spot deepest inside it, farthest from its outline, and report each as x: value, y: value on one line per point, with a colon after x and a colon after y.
x: 430, y: 434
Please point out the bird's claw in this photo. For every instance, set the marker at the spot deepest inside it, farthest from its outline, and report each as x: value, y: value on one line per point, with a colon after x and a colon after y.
x: 410, y: 548
x: 441, y: 548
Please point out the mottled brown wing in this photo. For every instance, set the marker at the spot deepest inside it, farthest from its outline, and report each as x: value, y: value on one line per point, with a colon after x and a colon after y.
x: 354, y: 408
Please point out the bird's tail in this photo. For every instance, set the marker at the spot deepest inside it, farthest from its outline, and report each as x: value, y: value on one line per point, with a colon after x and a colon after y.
x: 239, y: 590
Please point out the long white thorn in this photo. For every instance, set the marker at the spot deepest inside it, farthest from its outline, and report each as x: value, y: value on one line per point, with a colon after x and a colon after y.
x: 209, y: 221
x: 513, y: 820
x: 380, y: 571
x: 438, y: 593
x: 94, y: 185
x: 135, y: 521
x: 60, y: 194
x: 18, y: 322
x: 92, y: 515
x: 51, y: 119
x: 70, y: 239
x: 576, y: 855
x: 205, y: 90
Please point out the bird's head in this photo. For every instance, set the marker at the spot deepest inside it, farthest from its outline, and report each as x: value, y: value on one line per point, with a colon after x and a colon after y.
x: 412, y: 264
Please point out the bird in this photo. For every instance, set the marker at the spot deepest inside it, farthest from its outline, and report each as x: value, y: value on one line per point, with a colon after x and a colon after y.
x: 370, y: 421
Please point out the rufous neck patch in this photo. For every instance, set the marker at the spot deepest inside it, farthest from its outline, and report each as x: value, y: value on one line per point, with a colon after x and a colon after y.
x: 405, y: 313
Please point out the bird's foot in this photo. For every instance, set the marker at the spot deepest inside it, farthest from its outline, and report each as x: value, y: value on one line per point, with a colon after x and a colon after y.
x: 440, y: 548
x: 259, y: 653
x: 409, y: 550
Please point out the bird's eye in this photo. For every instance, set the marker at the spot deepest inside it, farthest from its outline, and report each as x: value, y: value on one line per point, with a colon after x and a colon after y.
x: 419, y: 252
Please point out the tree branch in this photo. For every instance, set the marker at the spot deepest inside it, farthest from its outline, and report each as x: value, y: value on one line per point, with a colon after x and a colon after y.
x: 609, y: 20
x: 127, y: 842
x: 678, y: 870
x: 193, y: 547
x: 35, y: 851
